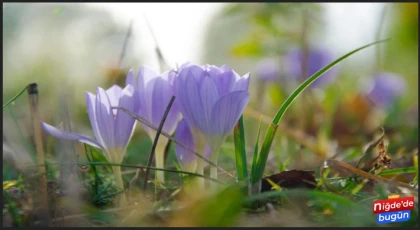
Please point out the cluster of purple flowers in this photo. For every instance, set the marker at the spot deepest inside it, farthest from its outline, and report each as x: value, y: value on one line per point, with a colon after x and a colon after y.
x: 209, y: 101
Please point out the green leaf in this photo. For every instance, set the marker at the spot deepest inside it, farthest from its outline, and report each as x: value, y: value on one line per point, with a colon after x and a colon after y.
x: 98, y: 156
x: 268, y: 140
x: 240, y: 153
x: 284, y: 165
x: 255, y: 157
x: 398, y: 171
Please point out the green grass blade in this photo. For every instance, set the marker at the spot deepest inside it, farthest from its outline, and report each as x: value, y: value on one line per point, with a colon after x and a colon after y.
x: 308, y: 81
x: 268, y: 139
x: 240, y: 154
x: 15, y: 97
x: 416, y: 168
x: 263, y: 156
x: 398, y: 171
x: 131, y: 166
x: 255, y: 157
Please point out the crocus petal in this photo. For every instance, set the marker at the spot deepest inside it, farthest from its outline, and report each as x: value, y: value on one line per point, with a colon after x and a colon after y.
x: 161, y: 95
x: 197, y: 72
x: 209, y: 96
x: 62, y: 134
x: 186, y: 158
x: 225, y: 81
x: 188, y: 98
x: 145, y: 75
x: 227, y: 111
x: 124, y: 123
x: 193, y: 102
x: 105, y: 118
x: 148, y: 99
x: 242, y: 84
x: 213, y: 71
x: 91, y: 107
x: 130, y: 78
x: 114, y: 94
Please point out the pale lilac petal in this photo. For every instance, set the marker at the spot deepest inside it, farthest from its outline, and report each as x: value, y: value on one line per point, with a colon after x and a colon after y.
x: 209, y: 96
x: 188, y: 98
x: 141, y: 100
x: 227, y: 111
x: 146, y: 80
x: 159, y: 94
x: 181, y: 97
x: 184, y: 136
x: 105, y: 118
x: 91, y: 107
x: 114, y: 94
x: 124, y: 123
x: 161, y: 97
x: 148, y: 99
x: 130, y: 78
x: 197, y: 72
x: 213, y: 71
x: 145, y: 75
x: 185, y: 65
x: 225, y: 68
x: 62, y: 134
x: 171, y: 75
x: 186, y: 158
x: 225, y: 81
x: 193, y: 102
x: 242, y: 84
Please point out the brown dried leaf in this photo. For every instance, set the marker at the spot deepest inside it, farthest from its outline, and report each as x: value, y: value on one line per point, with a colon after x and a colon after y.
x: 290, y: 179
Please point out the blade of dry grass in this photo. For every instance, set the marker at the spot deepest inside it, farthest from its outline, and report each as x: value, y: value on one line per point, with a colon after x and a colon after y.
x: 36, y: 122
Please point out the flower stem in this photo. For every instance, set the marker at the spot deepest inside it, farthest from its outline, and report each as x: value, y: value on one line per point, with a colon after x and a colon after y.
x: 119, y: 182
x: 200, y: 145
x: 213, y: 169
x: 160, y: 157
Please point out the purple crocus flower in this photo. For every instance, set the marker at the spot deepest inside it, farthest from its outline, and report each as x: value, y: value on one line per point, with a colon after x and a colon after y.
x: 268, y: 70
x: 317, y: 59
x: 211, y: 99
x: 187, y: 159
x: 112, y: 128
x: 385, y: 88
x: 154, y: 93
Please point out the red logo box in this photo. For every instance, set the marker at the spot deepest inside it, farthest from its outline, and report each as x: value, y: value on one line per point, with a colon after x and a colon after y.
x: 393, y: 205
